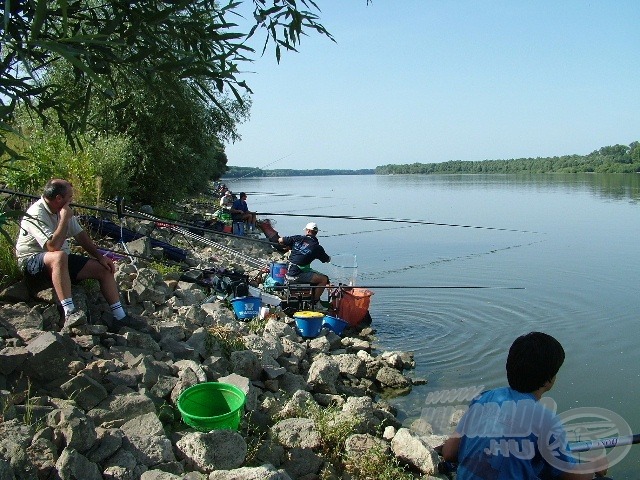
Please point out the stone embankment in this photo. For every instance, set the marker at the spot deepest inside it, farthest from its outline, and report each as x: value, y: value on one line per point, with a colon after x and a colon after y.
x: 78, y: 402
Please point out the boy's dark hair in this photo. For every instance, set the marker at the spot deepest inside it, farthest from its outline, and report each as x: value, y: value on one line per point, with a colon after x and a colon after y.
x: 533, y: 359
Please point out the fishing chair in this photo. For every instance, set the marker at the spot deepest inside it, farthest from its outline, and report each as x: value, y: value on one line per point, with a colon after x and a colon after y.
x: 238, y: 228
x: 301, y: 294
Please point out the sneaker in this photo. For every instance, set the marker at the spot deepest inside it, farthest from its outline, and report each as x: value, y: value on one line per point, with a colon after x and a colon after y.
x: 320, y: 307
x: 130, y: 321
x: 75, y: 319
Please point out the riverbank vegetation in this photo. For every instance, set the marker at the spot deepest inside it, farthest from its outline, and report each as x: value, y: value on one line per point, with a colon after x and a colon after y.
x: 155, y: 88
x: 611, y: 159
x: 246, y: 172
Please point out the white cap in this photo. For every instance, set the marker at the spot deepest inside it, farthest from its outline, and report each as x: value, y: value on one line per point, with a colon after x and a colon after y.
x: 227, y: 192
x: 311, y: 226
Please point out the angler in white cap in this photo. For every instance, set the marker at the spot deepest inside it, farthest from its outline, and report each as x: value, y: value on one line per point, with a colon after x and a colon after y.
x: 304, y: 250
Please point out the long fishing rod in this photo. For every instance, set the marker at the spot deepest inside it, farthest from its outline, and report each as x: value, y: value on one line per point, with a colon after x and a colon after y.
x: 376, y: 287
x: 162, y: 221
x: 258, y: 168
x: 395, y: 220
x: 604, y: 443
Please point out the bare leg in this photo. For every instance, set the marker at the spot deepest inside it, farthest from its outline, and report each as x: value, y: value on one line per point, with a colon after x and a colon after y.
x: 57, y: 263
x: 319, y: 280
x: 108, y: 285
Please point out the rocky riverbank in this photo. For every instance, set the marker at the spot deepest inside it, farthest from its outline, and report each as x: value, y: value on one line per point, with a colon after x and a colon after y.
x: 78, y: 402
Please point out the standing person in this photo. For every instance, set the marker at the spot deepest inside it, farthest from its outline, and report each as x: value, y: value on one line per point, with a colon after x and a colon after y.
x: 304, y: 250
x: 240, y: 212
x: 508, y: 433
x: 42, y: 249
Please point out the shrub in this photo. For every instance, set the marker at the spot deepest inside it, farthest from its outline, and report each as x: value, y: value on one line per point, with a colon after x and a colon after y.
x: 98, y: 171
x: 9, y: 271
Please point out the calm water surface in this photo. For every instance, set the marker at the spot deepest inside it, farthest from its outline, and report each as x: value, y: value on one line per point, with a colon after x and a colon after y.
x: 570, y: 241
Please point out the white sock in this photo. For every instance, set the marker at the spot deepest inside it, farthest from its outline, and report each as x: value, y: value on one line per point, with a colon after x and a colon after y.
x: 118, y: 311
x: 67, y: 305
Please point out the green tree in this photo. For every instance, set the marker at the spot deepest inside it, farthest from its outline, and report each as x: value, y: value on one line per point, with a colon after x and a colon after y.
x: 194, y: 40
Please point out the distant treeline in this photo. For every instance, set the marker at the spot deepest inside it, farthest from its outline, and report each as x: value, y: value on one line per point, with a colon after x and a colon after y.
x: 612, y: 159
x: 247, y: 172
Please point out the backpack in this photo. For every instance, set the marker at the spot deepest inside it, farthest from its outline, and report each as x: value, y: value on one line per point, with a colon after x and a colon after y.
x: 227, y: 282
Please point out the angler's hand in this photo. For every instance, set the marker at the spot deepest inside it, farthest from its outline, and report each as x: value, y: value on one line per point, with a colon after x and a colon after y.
x: 107, y: 263
x: 65, y: 213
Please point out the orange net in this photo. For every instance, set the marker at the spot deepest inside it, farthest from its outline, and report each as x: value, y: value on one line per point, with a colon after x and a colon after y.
x: 354, y: 305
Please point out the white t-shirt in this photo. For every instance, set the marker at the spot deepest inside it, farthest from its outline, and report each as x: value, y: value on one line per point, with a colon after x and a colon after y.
x: 37, y: 227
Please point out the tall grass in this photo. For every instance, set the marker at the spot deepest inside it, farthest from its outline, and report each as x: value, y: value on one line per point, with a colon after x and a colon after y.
x: 9, y: 271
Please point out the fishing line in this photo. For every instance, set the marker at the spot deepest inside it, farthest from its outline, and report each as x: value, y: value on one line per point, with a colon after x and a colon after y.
x: 399, y: 220
x: 257, y: 168
x: 285, y: 195
x: 383, y: 274
x: 367, y: 231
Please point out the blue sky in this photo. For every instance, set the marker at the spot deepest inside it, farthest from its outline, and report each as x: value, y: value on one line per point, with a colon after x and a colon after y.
x: 430, y: 81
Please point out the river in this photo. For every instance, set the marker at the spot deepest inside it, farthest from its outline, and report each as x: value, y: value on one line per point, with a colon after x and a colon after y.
x: 559, y: 253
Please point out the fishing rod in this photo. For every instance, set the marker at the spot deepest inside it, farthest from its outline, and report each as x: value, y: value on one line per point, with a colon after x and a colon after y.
x: 250, y: 260
x: 376, y: 287
x: 396, y: 220
x: 162, y: 221
x: 258, y: 168
x: 610, y: 442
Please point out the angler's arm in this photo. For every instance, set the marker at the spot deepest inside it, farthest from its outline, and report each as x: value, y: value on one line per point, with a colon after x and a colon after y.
x: 450, y: 448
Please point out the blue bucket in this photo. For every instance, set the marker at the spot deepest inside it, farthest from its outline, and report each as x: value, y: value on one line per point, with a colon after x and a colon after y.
x: 279, y: 272
x: 246, y: 307
x: 309, y: 323
x: 335, y: 324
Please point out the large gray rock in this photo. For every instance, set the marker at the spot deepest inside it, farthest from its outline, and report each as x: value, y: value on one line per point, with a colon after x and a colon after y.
x: 107, y: 443
x: 350, y: 364
x: 49, y: 357
x: 264, y: 472
x: 11, y: 358
x: 151, y: 370
x: 77, y: 428
x: 15, y: 437
x: 361, y: 445
x: 20, y: 316
x: 302, y: 463
x: 43, y: 454
x: 280, y: 329
x: 145, y: 438
x: 245, y: 363
x: 269, y: 344
x: 118, y: 408
x: 411, y: 449
x: 85, y: 391
x: 296, y: 432
x: 392, y: 378
x: 215, y: 450
x: 323, y: 375
x: 292, y: 382
x: 160, y: 475
x: 72, y: 466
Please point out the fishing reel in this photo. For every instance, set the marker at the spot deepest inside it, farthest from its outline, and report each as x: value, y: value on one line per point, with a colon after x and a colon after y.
x: 120, y: 207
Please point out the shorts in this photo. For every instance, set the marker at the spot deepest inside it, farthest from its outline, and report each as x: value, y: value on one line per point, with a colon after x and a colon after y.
x: 34, y: 266
x: 304, y: 277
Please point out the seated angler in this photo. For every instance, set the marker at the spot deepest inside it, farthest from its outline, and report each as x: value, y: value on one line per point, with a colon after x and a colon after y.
x: 42, y: 249
x: 240, y: 212
x: 304, y: 250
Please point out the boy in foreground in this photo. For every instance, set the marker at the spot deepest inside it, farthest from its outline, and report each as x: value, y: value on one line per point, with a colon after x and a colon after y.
x: 508, y: 433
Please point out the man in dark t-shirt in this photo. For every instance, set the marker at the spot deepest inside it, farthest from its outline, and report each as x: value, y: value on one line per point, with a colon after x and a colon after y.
x: 304, y: 250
